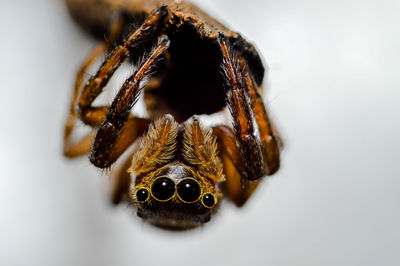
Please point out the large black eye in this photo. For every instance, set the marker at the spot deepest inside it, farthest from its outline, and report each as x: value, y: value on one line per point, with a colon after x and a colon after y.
x: 163, y: 188
x: 142, y: 194
x: 208, y: 200
x: 188, y: 190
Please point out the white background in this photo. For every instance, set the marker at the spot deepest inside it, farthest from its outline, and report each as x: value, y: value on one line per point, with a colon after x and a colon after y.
x: 333, y: 89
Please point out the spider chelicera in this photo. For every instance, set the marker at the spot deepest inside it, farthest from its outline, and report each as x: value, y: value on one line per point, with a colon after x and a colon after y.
x: 178, y: 169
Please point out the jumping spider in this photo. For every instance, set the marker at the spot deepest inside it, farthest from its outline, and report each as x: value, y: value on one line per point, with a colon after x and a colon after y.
x: 178, y: 169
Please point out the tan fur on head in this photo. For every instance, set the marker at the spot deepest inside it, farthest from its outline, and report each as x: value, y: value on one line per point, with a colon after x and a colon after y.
x: 158, y: 146
x: 200, y: 150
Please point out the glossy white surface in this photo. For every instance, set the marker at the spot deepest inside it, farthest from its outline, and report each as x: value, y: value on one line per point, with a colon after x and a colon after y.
x: 334, y: 93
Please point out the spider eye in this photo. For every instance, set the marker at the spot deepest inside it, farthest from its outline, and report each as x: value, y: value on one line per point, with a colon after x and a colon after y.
x: 208, y: 200
x: 188, y: 190
x: 163, y: 189
x: 142, y: 195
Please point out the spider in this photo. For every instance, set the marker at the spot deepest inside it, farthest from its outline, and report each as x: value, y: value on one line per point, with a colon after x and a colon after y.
x: 188, y: 64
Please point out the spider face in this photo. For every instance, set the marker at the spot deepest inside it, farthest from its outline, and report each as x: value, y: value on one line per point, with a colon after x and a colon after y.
x: 187, y: 64
x: 174, y: 197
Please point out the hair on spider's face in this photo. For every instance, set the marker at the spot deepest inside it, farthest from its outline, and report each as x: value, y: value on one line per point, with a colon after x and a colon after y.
x: 174, y: 185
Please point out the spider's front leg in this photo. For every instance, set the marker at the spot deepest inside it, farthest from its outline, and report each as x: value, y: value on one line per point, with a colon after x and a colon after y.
x: 74, y: 149
x: 92, y: 115
x: 81, y: 102
x: 109, y: 143
x: 246, y: 158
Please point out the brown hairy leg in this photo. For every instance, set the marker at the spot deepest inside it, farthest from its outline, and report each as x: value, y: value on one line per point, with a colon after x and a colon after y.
x: 245, y: 158
x: 82, y: 146
x: 92, y: 115
x: 248, y: 144
x: 271, y: 142
x: 237, y: 187
x: 107, y: 146
x: 121, y: 179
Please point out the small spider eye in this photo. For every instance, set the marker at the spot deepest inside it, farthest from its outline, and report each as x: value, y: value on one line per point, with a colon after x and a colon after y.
x: 163, y: 189
x: 142, y: 195
x: 208, y: 200
x: 188, y: 190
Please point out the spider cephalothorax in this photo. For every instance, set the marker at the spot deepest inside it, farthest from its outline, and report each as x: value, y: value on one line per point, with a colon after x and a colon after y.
x: 178, y: 169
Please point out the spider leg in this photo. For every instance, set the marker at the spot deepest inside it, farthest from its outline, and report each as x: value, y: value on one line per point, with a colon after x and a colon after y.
x: 94, y: 116
x: 107, y: 146
x: 245, y: 158
x: 90, y: 115
x: 73, y: 149
x: 237, y: 187
x: 70, y: 148
x: 252, y: 166
x: 271, y: 142
x: 121, y: 179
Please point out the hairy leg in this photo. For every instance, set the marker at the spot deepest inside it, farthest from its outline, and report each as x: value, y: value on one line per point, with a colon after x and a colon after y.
x: 95, y: 85
x: 248, y: 144
x: 105, y: 149
x: 246, y: 158
x: 270, y: 140
x: 82, y: 146
x: 82, y: 101
x: 121, y: 179
x: 237, y: 187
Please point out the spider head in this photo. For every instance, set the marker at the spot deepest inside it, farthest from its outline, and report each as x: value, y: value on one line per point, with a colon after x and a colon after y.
x: 175, y: 175
x: 175, y: 197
